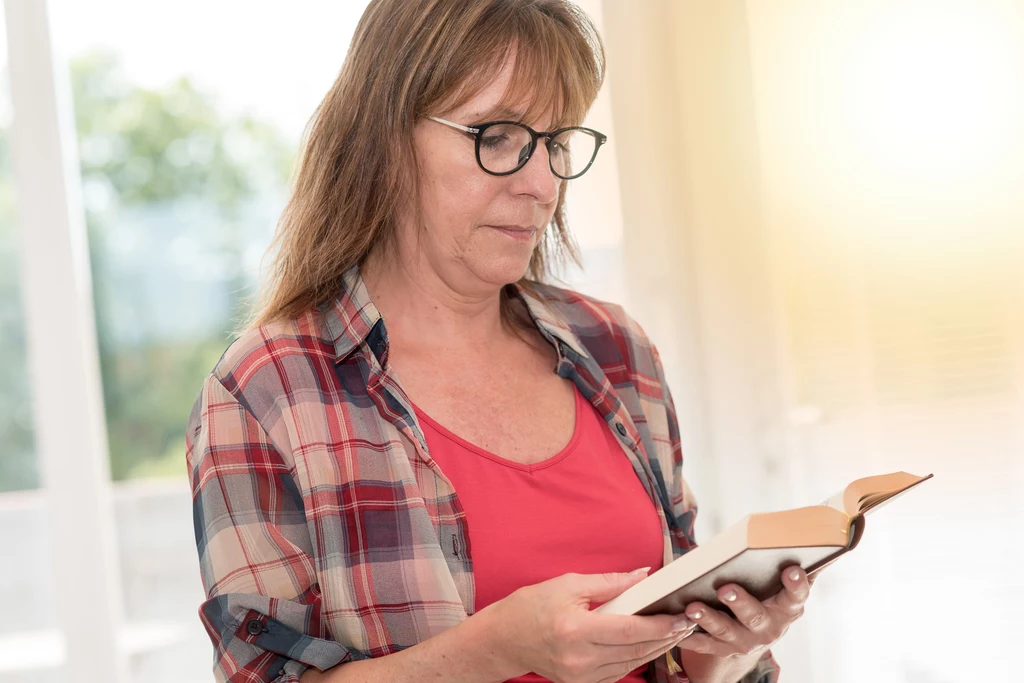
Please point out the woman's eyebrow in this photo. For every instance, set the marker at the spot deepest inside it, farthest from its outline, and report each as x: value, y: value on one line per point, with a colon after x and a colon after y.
x: 498, y: 113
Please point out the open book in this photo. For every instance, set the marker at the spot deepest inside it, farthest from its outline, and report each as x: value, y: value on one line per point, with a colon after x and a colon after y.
x: 754, y: 551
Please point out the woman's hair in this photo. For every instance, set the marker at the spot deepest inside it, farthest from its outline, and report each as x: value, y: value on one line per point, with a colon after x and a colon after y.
x: 410, y: 58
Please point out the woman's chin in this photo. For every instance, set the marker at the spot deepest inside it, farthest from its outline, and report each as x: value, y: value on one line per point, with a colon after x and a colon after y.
x: 503, y: 272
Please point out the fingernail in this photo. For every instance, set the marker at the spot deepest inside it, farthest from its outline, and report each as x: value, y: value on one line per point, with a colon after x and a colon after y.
x: 640, y: 572
x: 794, y: 575
x: 730, y: 596
x: 681, y: 625
x: 697, y: 615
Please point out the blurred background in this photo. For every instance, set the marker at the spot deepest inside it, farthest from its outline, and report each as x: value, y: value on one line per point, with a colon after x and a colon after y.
x: 815, y: 209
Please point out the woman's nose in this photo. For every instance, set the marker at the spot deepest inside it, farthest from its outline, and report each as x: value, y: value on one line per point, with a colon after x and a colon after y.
x: 536, y: 177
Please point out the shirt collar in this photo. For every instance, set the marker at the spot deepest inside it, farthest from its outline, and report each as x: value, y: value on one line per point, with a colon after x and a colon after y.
x: 549, y: 321
x: 352, y: 315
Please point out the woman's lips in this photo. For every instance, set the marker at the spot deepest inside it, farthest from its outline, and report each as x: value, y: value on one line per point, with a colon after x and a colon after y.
x: 515, y: 232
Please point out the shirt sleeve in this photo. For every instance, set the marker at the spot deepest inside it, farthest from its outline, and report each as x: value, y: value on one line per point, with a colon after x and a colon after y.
x: 263, y: 605
x: 684, y: 509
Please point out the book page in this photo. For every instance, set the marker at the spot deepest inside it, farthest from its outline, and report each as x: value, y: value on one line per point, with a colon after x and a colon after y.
x: 836, y: 501
x: 863, y: 494
x: 870, y: 492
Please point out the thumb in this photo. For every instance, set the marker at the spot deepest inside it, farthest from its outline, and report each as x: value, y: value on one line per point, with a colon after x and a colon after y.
x: 604, y: 587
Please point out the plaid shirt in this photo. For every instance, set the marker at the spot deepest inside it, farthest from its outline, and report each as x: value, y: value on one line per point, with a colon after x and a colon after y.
x: 327, y: 534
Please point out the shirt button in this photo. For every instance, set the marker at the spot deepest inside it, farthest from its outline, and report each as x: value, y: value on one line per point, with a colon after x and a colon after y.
x: 254, y: 627
x: 621, y: 428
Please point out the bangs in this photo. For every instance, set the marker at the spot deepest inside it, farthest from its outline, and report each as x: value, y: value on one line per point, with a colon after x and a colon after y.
x: 556, y: 59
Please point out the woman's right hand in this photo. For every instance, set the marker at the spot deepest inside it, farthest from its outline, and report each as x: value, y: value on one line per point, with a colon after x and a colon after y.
x: 548, y: 628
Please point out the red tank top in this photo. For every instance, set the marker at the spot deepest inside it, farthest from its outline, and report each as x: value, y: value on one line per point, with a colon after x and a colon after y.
x: 582, y: 510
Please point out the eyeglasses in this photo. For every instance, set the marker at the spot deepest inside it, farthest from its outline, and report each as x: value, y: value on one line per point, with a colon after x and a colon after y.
x: 504, y: 147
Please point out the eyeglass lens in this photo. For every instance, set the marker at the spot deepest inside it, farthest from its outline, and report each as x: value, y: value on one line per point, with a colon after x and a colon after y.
x: 505, y: 146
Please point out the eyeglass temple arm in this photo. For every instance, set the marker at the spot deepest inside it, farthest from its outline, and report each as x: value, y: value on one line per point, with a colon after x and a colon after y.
x: 465, y: 129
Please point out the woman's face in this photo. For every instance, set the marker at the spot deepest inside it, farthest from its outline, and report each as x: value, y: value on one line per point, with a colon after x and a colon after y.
x: 476, y: 231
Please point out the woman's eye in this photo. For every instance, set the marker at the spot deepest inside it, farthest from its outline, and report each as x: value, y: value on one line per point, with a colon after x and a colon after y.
x: 493, y: 141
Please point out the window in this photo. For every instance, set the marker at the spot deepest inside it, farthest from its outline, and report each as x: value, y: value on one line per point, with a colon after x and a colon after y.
x: 17, y: 465
x: 185, y: 157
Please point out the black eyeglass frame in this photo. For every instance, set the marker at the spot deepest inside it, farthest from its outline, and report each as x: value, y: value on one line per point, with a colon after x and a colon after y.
x: 477, y: 131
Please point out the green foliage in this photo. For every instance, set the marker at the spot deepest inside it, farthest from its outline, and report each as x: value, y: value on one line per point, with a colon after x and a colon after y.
x: 153, y: 148
x: 166, y: 145
x: 149, y: 391
x: 148, y: 148
x: 17, y: 467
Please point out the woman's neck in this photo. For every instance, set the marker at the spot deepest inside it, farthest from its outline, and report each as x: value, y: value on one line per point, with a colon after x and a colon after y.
x: 419, y: 304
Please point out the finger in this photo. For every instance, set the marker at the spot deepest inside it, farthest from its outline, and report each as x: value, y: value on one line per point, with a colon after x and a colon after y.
x: 618, y: 654
x: 749, y: 611
x: 617, y: 670
x: 601, y: 587
x: 795, y: 590
x: 706, y: 644
x: 617, y: 629
x: 717, y: 624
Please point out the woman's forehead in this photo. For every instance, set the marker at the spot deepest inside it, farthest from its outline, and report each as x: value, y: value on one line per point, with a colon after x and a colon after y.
x: 493, y: 104
x: 505, y: 97
x: 521, y: 114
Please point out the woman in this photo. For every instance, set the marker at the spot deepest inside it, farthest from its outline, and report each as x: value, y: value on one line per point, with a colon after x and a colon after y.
x: 427, y: 499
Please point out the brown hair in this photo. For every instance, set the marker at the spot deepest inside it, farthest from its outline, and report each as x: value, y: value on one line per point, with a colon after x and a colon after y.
x: 408, y: 59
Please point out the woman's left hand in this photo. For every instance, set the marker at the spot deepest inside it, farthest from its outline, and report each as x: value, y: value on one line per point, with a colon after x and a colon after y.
x: 757, y: 626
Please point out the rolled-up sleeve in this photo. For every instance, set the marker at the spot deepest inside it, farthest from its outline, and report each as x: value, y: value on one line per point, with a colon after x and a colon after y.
x: 263, y: 606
